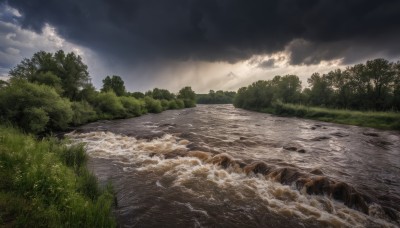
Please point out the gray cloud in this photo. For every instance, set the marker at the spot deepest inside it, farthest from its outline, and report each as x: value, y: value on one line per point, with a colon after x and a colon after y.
x: 270, y: 63
x: 137, y: 32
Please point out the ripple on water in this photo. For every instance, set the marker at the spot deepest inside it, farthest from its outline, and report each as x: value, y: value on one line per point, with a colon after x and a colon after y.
x: 221, y: 178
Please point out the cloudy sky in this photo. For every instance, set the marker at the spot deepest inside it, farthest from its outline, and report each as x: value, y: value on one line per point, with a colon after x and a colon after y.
x: 207, y: 44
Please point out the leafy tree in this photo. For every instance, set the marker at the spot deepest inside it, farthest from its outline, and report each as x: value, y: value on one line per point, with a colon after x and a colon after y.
x: 258, y: 95
x: 321, y: 90
x: 381, y: 74
x: 188, y: 96
x: 160, y: 94
x: 69, y: 68
x: 137, y: 95
x: 287, y: 88
x: 219, y: 97
x: 114, y: 83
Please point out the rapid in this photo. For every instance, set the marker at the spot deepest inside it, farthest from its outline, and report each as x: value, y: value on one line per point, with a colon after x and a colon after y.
x: 218, y: 166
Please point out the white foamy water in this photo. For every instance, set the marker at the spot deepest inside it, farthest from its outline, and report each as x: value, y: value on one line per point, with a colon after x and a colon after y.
x: 192, y: 181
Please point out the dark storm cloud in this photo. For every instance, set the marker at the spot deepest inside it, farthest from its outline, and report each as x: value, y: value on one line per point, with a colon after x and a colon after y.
x: 221, y: 30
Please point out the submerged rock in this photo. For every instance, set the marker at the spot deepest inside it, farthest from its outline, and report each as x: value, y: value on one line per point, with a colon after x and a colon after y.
x: 372, y: 134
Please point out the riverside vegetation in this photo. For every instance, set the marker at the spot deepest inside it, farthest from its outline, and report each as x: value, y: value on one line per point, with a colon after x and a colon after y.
x: 44, y: 182
x: 364, y: 94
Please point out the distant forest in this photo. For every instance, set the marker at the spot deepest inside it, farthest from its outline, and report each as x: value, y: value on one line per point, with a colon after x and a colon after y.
x: 219, y: 97
x: 373, y: 86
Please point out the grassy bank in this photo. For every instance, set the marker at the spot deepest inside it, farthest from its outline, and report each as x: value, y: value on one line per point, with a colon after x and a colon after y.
x: 44, y: 183
x: 380, y: 120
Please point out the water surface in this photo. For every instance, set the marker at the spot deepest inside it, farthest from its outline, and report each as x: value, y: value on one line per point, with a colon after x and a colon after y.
x: 218, y: 166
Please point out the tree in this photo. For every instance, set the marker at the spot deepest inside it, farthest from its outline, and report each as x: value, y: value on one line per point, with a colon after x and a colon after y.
x: 72, y: 72
x: 287, y: 88
x: 321, y: 91
x: 136, y: 95
x: 115, y: 84
x: 187, y: 93
x: 161, y: 94
x: 188, y: 96
x: 380, y: 72
x: 340, y: 81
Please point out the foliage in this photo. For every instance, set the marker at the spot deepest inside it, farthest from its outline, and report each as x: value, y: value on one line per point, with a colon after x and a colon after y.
x: 164, y: 104
x: 83, y: 112
x: 187, y: 93
x: 108, y: 105
x: 137, y: 95
x: 45, y: 183
x: 66, y: 71
x: 374, y: 85
x: 180, y: 103
x: 115, y: 84
x: 3, y: 84
x: 382, y: 120
x: 160, y: 94
x: 188, y: 96
x: 219, y: 97
x: 257, y: 95
x: 152, y: 105
x: 132, y: 106
x: 34, y: 108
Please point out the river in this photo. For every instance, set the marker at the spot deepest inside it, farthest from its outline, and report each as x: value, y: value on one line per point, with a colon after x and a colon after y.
x: 218, y: 166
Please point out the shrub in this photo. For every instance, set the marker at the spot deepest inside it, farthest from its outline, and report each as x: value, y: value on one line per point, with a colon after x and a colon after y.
x: 34, y: 108
x: 180, y: 103
x: 132, y: 106
x: 164, y: 104
x: 108, y: 105
x: 188, y: 103
x: 172, y: 104
x: 83, y: 112
x: 46, y: 184
x: 153, y: 106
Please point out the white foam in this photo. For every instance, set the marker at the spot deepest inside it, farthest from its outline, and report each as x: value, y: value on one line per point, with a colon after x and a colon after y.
x: 201, y: 179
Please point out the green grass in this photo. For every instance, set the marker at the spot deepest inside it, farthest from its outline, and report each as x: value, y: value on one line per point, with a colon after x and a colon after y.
x: 380, y: 120
x: 44, y: 183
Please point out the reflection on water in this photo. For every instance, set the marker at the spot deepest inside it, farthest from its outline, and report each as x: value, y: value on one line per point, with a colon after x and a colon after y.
x: 221, y: 166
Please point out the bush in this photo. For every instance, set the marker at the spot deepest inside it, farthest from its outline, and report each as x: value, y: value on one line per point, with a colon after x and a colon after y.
x: 132, y: 106
x: 108, y: 105
x: 172, y: 104
x: 180, y: 103
x: 164, y: 104
x: 83, y: 112
x: 188, y: 103
x: 46, y: 184
x: 153, y: 106
x: 34, y: 108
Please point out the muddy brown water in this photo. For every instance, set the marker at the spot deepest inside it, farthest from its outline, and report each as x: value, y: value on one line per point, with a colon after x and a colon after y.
x: 218, y: 166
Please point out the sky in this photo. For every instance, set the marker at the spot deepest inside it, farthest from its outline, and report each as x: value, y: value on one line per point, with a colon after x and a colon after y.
x: 205, y: 44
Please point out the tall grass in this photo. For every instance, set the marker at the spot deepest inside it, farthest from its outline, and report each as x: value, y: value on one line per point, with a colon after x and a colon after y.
x: 46, y: 184
x: 380, y: 120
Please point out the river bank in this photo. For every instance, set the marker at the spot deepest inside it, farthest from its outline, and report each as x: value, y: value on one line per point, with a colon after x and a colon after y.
x: 379, y: 120
x: 47, y: 182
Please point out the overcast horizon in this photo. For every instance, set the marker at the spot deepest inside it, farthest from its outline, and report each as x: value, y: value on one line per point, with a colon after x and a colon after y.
x: 201, y: 43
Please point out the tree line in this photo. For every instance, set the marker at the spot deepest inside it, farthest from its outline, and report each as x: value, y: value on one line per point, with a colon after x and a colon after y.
x: 218, y: 97
x: 373, y: 86
x: 51, y: 91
